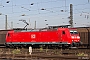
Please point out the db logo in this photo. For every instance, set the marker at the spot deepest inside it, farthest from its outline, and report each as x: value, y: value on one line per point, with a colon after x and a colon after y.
x: 33, y: 36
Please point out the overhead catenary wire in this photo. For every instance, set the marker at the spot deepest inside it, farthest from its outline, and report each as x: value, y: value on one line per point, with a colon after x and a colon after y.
x: 49, y: 8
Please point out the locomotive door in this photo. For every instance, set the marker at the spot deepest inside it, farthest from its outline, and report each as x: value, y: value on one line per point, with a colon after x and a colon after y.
x: 63, y: 36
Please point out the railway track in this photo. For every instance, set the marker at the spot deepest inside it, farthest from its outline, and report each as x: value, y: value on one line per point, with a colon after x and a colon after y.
x: 44, y: 54
x: 41, y: 57
x: 36, y: 50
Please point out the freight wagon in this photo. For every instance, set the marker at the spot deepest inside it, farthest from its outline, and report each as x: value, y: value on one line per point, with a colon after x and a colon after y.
x: 3, y: 37
x: 84, y: 33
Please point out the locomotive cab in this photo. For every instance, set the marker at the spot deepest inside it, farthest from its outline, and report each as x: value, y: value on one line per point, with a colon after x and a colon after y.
x: 75, y: 38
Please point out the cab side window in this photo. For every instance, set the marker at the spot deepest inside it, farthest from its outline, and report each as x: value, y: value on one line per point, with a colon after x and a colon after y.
x: 63, y: 32
x: 8, y: 34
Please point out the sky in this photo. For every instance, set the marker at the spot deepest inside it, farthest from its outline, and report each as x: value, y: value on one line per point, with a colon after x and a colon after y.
x: 56, y: 12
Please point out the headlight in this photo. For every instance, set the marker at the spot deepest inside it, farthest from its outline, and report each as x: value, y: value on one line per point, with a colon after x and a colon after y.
x: 72, y: 36
x: 78, y: 37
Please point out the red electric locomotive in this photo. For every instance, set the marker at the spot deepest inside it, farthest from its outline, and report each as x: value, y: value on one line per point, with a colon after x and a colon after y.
x: 59, y: 36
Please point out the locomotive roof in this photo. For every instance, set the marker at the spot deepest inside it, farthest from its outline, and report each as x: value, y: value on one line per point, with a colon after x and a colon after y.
x: 62, y: 26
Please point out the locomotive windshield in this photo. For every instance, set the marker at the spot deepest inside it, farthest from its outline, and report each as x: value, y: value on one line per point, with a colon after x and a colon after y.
x: 73, y: 32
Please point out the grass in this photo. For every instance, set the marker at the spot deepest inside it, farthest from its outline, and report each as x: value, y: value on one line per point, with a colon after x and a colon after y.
x: 16, y: 51
x: 82, y: 54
